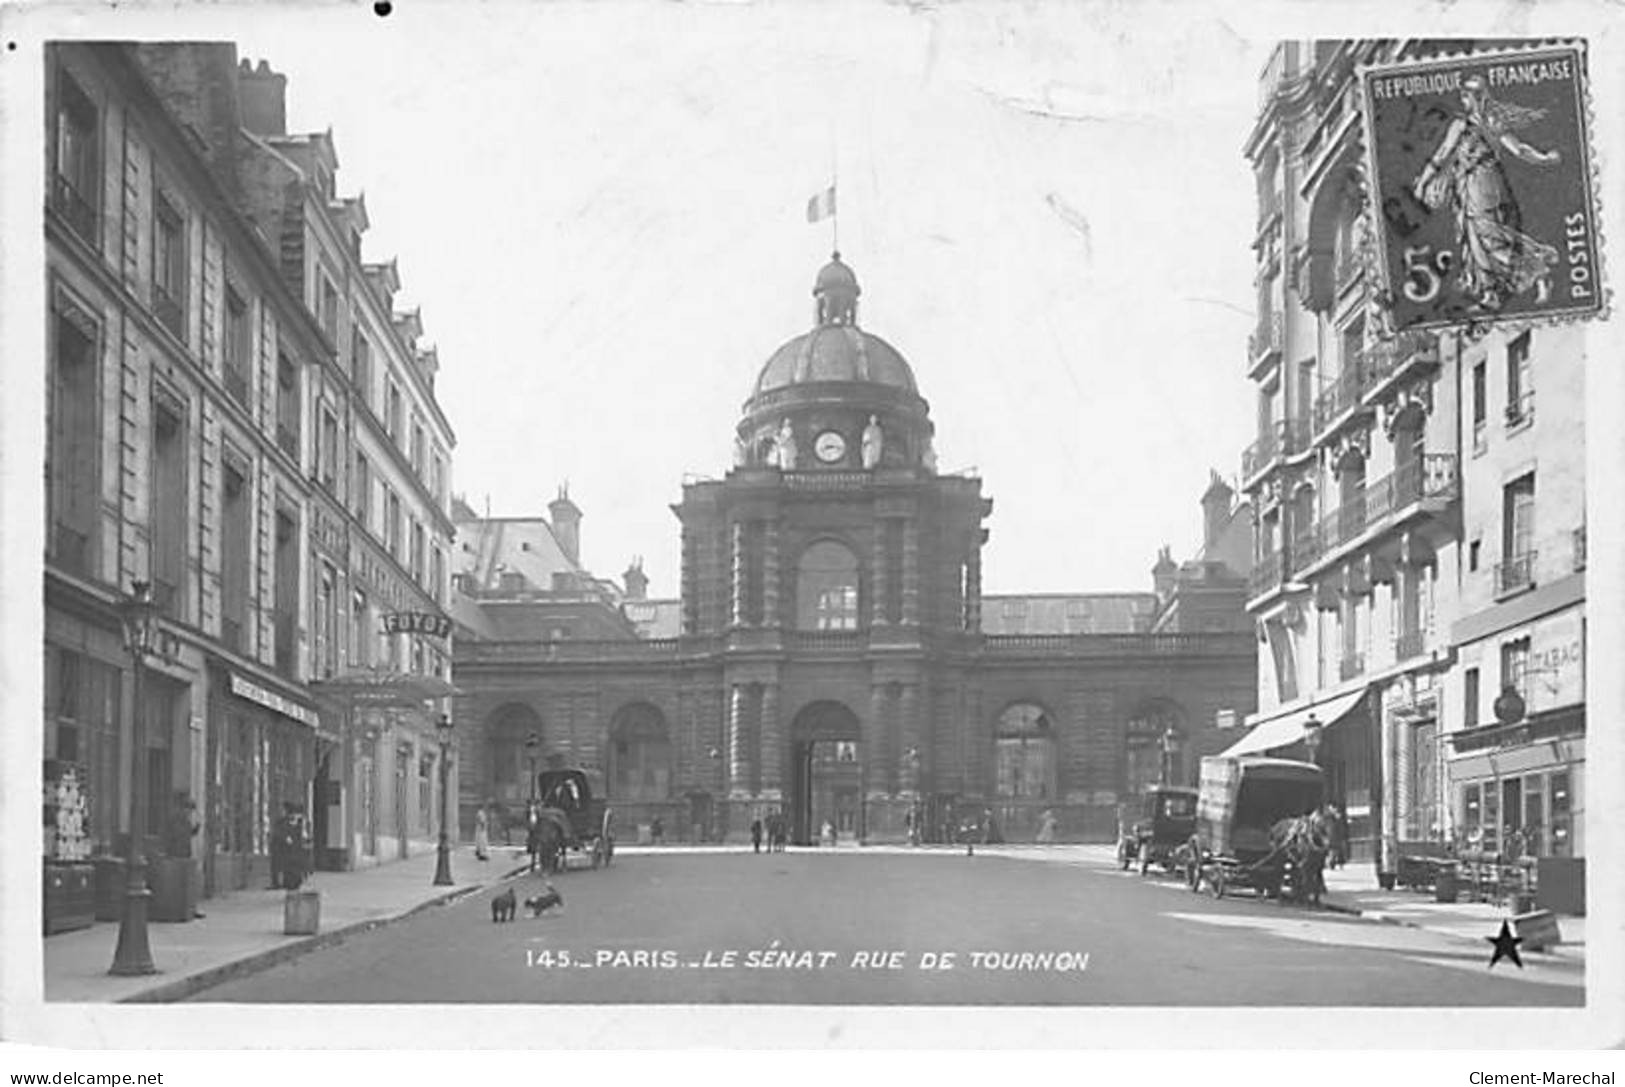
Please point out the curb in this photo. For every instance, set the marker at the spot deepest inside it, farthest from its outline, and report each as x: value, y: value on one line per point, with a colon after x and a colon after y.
x: 183, y: 988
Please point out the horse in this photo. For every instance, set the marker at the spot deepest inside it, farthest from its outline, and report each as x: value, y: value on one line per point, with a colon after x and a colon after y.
x: 1304, y: 841
x: 544, y: 842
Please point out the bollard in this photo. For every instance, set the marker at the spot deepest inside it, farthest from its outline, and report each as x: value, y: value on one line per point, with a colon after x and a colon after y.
x: 301, y: 913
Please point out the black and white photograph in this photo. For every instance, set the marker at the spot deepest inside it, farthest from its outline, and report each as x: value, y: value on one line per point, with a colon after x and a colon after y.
x: 920, y: 525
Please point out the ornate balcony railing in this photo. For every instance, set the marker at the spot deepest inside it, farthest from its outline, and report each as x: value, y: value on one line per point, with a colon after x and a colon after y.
x: 827, y: 481
x: 1385, y: 359
x: 1579, y: 544
x: 1430, y: 476
x: 80, y: 213
x: 1521, y: 412
x: 1265, y: 340
x: 1266, y: 574
x: 1516, y: 574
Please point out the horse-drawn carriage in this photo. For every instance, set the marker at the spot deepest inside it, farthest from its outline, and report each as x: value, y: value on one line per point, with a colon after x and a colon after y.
x: 570, y: 820
x: 1259, y: 826
x: 1157, y: 830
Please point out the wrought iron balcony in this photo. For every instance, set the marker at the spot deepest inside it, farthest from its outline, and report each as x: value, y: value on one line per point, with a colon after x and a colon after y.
x: 1408, y: 644
x: 1306, y: 547
x: 1344, y: 393
x: 79, y: 212
x: 1430, y: 477
x: 1516, y: 574
x: 1265, y: 341
x: 1351, y: 665
x: 1266, y: 574
x: 1521, y: 412
x: 1394, y: 358
x: 1579, y: 543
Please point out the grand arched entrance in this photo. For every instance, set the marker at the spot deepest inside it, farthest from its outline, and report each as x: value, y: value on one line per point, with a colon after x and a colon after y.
x: 826, y: 772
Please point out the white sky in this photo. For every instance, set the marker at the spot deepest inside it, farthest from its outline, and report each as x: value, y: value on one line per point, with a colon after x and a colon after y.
x: 602, y: 214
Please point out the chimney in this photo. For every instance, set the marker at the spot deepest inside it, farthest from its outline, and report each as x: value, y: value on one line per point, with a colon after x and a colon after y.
x: 1162, y: 574
x: 264, y: 97
x: 637, y: 582
x: 566, y: 518
x: 1215, y: 508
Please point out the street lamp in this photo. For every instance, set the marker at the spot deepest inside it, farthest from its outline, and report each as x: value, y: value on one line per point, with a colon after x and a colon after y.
x: 442, y: 864
x: 133, y: 956
x: 1312, y: 730
x: 1169, y: 744
x: 533, y: 744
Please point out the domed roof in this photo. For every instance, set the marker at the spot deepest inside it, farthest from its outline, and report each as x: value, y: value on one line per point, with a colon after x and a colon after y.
x: 836, y: 353
x: 836, y: 350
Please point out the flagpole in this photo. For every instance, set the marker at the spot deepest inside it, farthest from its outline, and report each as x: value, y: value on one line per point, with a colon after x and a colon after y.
x: 834, y: 188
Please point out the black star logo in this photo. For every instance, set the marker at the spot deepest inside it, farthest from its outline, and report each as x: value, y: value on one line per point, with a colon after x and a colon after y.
x: 1506, y: 946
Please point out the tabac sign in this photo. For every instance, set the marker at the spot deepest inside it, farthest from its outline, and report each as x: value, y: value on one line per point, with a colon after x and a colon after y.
x: 417, y: 622
x: 1482, y: 188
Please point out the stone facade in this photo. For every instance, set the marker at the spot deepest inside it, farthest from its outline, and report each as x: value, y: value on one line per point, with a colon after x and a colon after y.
x: 832, y: 662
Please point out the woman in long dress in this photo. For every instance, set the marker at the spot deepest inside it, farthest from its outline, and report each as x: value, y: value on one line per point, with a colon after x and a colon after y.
x: 1497, y: 259
x: 482, y: 834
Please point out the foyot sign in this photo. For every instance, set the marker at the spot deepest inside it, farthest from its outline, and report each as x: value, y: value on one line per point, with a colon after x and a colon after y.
x: 417, y: 622
x: 1482, y: 187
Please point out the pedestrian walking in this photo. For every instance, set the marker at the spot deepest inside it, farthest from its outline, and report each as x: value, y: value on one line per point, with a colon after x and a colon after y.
x: 1046, y: 828
x: 657, y: 830
x: 482, y: 834
x: 827, y: 835
x: 756, y: 835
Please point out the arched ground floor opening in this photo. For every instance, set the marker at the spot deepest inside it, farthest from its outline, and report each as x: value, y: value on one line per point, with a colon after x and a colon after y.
x: 826, y: 773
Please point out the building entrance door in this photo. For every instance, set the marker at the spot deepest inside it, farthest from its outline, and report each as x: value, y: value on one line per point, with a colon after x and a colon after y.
x: 826, y: 773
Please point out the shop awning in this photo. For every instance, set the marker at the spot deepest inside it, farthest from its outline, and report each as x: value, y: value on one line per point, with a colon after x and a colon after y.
x: 1288, y: 728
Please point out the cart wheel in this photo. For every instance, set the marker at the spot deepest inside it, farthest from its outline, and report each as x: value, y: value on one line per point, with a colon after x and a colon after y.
x: 598, y: 852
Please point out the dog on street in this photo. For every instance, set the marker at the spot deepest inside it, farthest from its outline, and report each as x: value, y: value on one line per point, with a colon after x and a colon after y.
x: 504, y: 906
x: 544, y: 901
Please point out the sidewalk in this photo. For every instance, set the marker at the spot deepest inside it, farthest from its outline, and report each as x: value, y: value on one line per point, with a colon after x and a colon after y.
x: 1353, y: 890
x: 242, y: 931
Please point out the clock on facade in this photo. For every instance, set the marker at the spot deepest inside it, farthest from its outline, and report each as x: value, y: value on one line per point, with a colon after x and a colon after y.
x: 830, y: 447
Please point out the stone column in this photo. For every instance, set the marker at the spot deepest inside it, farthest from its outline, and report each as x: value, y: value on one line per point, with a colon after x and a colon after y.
x: 877, y: 601
x: 770, y: 575
x: 910, y: 737
x: 875, y: 733
x: 772, y: 744
x: 737, y: 536
x: 973, y: 590
x: 737, y: 775
x: 911, y: 573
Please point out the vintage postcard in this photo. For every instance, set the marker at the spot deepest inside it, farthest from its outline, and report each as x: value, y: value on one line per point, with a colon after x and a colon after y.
x: 811, y: 525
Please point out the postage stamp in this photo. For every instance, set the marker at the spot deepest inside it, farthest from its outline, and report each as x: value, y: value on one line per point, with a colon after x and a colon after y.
x: 1481, y: 168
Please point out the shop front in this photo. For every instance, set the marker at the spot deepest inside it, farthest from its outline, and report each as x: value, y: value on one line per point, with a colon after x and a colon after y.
x: 262, y: 754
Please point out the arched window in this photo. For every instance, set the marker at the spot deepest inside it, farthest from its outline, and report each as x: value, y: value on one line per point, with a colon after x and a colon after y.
x: 1026, y: 754
x: 510, y: 727
x: 639, y: 755
x: 1155, y: 746
x: 827, y: 587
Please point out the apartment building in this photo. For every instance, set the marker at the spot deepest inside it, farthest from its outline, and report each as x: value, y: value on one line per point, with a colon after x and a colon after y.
x: 1398, y: 582
x: 194, y: 433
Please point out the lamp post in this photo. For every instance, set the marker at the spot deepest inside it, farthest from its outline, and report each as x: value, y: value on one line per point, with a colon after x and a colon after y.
x: 133, y: 956
x: 533, y: 744
x: 442, y: 864
x: 911, y: 760
x: 1168, y: 743
x: 1312, y: 730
